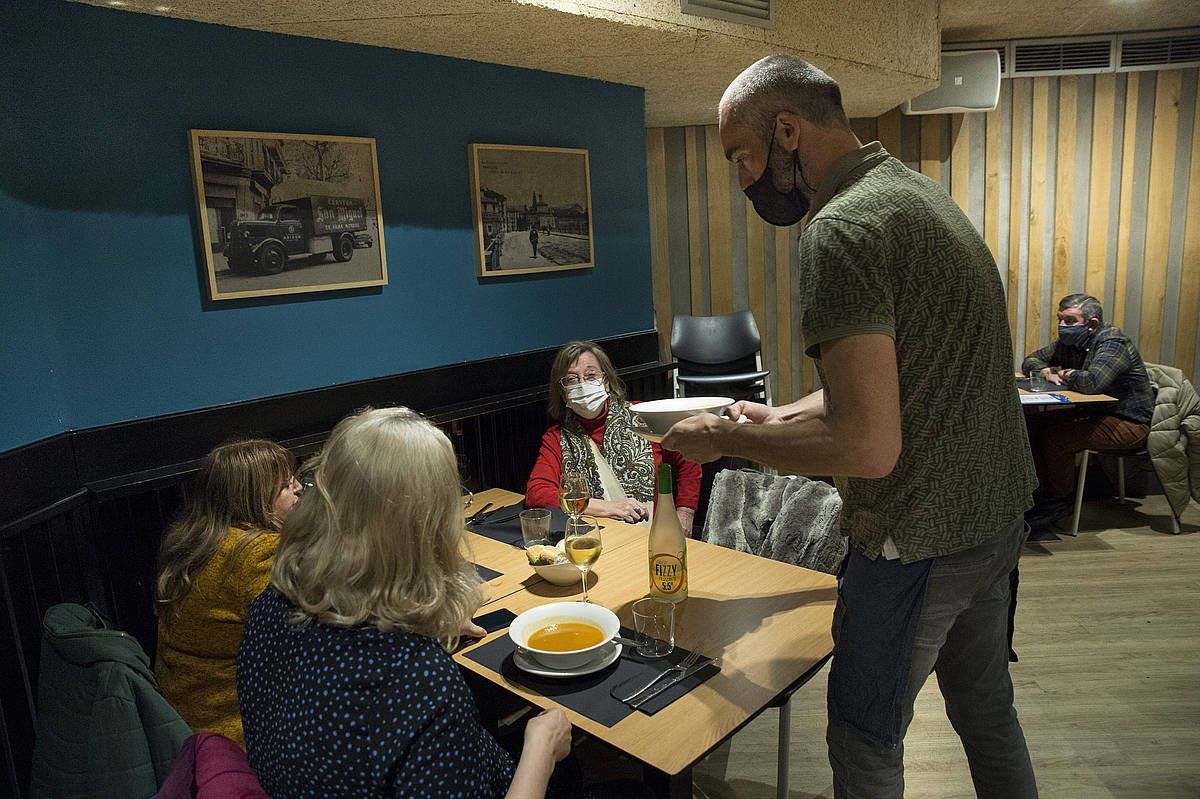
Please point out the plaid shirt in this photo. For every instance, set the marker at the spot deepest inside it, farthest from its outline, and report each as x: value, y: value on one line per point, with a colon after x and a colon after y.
x: 1107, y: 364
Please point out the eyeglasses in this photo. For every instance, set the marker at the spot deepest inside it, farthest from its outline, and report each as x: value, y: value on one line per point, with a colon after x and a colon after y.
x: 595, y: 378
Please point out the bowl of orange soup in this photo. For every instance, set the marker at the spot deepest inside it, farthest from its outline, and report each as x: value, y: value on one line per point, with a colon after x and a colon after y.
x: 564, y: 635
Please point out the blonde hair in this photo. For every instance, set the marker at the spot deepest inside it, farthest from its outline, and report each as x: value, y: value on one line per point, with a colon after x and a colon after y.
x: 378, y: 541
x: 564, y: 359
x: 235, y: 488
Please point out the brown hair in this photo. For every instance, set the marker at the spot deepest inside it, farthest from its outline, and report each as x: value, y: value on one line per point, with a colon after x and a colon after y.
x: 235, y: 488
x: 378, y: 540
x: 557, y: 405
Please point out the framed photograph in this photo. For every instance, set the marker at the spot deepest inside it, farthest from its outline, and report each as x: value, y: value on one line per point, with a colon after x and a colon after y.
x: 533, y: 209
x: 284, y: 213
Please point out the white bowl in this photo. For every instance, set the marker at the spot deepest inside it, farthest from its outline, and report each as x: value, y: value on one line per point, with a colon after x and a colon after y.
x: 564, y: 572
x: 559, y: 573
x: 659, y: 415
x: 534, y: 619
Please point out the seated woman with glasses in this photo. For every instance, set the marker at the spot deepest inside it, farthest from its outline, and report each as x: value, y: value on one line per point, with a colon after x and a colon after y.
x: 214, y: 560
x: 594, y: 438
x: 345, y: 681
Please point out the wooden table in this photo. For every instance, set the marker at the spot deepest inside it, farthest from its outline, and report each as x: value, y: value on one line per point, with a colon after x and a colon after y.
x: 1074, y: 398
x: 515, y: 572
x: 768, y: 621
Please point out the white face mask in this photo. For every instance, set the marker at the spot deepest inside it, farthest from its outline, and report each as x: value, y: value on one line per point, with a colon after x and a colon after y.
x: 586, y: 399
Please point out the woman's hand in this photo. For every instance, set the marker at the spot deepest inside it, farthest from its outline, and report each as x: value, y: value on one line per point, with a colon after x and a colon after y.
x: 687, y: 516
x: 549, y: 733
x: 753, y: 411
x: 471, y: 630
x: 547, y: 741
x: 625, y: 510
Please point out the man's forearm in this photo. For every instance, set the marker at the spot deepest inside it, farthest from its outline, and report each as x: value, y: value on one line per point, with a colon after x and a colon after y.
x: 815, y: 446
x: 803, y: 409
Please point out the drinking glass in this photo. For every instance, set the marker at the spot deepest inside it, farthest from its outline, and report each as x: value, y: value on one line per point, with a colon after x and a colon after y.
x: 1038, y: 381
x: 654, y: 623
x: 583, y: 545
x: 573, y: 495
x: 535, y: 526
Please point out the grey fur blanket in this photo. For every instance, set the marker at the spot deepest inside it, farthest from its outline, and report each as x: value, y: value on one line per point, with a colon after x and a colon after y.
x: 793, y: 520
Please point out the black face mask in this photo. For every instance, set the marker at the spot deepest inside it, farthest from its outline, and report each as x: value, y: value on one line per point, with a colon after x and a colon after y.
x: 778, y: 208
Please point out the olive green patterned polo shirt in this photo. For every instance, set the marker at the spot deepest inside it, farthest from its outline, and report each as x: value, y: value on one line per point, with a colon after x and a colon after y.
x: 887, y: 251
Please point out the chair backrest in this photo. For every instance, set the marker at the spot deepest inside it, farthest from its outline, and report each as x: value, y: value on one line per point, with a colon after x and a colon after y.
x: 715, y: 340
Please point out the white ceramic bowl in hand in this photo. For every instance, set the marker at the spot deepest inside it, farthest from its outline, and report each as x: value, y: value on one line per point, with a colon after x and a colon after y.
x: 535, y: 619
x: 659, y: 415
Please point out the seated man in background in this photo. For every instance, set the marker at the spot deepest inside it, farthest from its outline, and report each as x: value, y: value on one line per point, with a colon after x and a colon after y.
x: 1092, y: 358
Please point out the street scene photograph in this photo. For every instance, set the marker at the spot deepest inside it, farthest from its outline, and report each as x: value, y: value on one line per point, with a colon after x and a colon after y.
x: 532, y: 208
x: 283, y: 213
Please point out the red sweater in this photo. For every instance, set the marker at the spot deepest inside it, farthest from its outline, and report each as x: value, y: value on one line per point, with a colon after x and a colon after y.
x: 546, y: 477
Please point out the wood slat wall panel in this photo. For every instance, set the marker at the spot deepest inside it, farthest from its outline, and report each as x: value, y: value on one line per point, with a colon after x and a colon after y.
x: 1099, y: 200
x: 1037, y: 212
x: 991, y: 200
x: 1117, y: 312
x: 1058, y: 168
x: 1188, y: 335
x: 1064, y: 183
x: 660, y: 250
x: 1158, y: 216
x: 782, y: 370
x: 720, y: 256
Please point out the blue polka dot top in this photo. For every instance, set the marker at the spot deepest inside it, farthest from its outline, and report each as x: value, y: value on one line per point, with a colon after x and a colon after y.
x: 356, y: 712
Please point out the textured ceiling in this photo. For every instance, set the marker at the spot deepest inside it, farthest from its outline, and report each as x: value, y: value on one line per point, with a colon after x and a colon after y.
x: 984, y: 20
x: 881, y: 53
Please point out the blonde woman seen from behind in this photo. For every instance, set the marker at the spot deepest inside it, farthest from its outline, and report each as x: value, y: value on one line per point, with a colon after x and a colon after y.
x: 214, y: 559
x: 345, y: 682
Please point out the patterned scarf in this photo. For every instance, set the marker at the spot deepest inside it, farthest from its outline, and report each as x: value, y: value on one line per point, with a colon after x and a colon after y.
x: 629, y: 455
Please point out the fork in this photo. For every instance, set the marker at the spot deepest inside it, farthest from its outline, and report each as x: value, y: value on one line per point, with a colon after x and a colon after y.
x: 681, y: 667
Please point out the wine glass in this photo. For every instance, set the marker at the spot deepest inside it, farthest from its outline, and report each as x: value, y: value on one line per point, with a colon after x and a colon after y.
x: 573, y: 495
x: 583, y: 545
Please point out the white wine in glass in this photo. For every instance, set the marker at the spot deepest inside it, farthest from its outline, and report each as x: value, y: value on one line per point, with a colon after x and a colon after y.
x: 583, y: 546
x: 573, y: 496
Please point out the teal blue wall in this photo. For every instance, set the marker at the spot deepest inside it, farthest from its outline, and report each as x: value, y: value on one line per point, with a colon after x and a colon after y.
x: 102, y: 313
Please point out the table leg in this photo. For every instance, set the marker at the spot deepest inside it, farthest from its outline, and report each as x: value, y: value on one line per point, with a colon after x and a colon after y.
x: 670, y: 786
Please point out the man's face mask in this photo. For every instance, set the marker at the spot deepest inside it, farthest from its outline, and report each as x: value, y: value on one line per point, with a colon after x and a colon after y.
x: 1073, y: 335
x: 776, y: 207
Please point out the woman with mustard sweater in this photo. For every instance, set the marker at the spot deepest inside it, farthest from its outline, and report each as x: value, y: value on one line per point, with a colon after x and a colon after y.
x: 214, y: 560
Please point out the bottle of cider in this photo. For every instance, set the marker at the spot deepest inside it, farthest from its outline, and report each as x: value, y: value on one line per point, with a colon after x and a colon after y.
x: 668, y: 545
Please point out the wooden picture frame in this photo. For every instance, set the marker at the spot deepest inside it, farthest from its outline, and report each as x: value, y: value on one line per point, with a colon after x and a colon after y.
x: 532, y: 209
x: 287, y: 213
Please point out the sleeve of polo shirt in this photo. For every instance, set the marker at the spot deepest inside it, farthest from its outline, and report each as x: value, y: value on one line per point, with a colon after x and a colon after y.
x: 845, y: 286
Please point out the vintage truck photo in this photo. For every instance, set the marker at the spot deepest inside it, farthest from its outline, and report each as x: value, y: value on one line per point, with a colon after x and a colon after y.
x: 306, y: 227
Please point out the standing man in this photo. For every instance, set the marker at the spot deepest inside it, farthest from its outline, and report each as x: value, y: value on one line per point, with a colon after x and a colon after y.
x: 533, y: 240
x: 901, y: 306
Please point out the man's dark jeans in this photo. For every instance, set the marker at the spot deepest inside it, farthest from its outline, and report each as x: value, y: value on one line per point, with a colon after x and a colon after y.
x: 954, y: 611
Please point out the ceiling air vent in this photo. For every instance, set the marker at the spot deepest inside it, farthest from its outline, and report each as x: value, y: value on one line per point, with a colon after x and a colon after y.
x: 747, y: 12
x: 1173, y: 51
x: 1062, y: 57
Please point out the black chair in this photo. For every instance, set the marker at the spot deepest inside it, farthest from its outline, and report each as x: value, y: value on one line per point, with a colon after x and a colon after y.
x: 719, y: 356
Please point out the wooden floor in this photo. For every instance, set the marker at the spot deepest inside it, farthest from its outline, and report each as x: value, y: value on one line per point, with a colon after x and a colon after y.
x: 1107, y: 688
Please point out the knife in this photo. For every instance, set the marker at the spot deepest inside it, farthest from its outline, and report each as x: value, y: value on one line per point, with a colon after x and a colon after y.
x: 474, y: 517
x: 675, y: 680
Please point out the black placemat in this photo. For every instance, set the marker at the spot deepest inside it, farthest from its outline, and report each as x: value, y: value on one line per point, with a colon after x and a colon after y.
x: 485, y: 573
x: 592, y: 694
x: 504, y: 525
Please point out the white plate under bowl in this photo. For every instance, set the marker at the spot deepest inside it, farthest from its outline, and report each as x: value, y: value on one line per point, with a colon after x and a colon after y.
x: 659, y: 415
x: 525, y: 662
